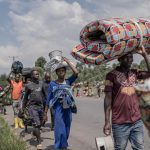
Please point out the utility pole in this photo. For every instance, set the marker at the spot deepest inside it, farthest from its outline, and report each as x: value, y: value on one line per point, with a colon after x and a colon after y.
x: 13, y: 57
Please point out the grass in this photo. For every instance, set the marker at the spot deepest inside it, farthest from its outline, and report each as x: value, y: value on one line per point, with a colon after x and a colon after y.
x: 8, y: 141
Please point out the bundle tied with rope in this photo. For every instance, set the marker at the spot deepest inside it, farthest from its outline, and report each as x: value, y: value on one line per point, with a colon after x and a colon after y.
x: 56, y: 61
x: 108, y: 39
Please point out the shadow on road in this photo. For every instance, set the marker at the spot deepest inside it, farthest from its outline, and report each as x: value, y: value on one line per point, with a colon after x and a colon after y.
x: 32, y: 142
x: 51, y: 147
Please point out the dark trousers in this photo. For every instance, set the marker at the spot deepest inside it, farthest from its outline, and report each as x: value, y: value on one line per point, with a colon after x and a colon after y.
x: 52, y: 117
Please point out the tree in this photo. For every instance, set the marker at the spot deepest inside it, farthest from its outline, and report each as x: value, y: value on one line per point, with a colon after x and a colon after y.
x: 135, y: 66
x: 3, y: 80
x: 92, y: 73
x: 114, y: 65
x: 80, y: 66
x: 41, y: 71
x: 40, y: 62
x: 143, y: 65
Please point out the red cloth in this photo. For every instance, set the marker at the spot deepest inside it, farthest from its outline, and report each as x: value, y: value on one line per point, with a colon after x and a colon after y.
x: 125, y: 105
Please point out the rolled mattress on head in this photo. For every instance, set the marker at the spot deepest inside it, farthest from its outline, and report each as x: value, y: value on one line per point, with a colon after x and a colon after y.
x: 108, y: 39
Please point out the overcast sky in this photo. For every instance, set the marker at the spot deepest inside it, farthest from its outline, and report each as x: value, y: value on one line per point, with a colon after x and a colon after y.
x: 32, y: 28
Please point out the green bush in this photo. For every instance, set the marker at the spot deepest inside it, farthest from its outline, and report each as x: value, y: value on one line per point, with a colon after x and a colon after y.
x: 8, y: 141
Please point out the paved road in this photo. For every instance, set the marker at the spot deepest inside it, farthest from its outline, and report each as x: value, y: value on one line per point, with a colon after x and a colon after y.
x: 87, y: 125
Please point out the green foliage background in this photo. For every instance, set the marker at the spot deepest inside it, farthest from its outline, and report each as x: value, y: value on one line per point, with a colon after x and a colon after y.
x: 89, y: 73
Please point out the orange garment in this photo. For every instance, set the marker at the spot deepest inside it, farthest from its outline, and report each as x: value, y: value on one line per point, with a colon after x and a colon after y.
x: 16, y: 90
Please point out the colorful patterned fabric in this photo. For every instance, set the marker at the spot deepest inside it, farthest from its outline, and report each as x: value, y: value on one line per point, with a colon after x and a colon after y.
x: 107, y: 39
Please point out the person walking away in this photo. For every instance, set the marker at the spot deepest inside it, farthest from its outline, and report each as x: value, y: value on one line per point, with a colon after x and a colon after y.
x: 78, y: 90
x: 61, y: 99
x: 122, y: 100
x: 73, y: 89
x: 98, y: 87
x: 90, y: 91
x: 33, y: 99
x: 87, y: 89
x: 46, y: 82
x: 17, y: 86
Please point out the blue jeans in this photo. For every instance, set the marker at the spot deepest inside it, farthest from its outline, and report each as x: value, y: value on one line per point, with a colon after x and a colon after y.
x: 133, y: 132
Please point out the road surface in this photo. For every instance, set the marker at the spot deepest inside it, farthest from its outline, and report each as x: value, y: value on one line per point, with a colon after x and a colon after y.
x: 86, y: 125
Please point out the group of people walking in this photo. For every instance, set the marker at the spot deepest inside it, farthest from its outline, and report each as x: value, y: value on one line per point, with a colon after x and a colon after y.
x: 37, y: 97
x: 120, y: 99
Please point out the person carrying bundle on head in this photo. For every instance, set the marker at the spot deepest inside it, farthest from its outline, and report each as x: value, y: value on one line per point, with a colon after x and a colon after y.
x: 122, y: 100
x: 16, y: 94
x: 61, y: 99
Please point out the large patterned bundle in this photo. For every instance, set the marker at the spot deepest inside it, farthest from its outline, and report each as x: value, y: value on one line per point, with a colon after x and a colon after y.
x: 107, y: 39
